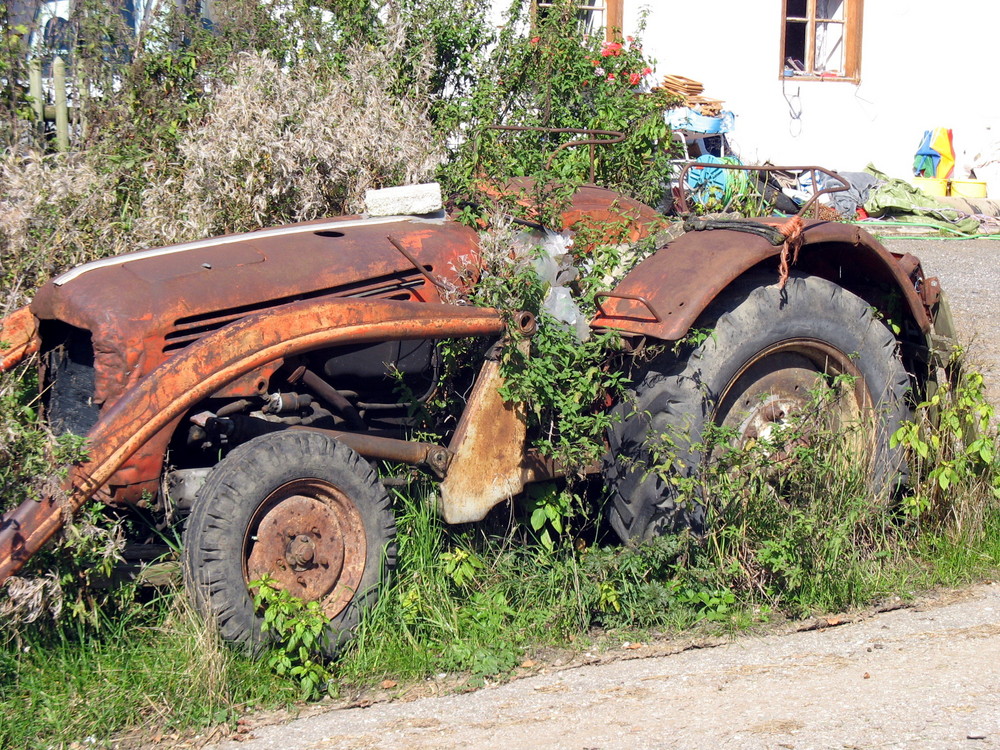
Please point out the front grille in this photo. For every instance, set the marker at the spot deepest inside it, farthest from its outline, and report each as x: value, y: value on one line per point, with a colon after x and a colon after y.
x: 68, y: 379
x: 188, y: 329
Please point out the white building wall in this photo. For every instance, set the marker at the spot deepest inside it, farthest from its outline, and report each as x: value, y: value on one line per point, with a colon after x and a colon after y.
x: 924, y: 64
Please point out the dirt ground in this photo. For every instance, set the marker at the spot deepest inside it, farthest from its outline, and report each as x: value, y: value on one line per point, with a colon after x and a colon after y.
x: 924, y: 675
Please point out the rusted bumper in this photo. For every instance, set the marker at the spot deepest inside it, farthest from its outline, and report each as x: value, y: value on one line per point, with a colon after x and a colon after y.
x: 19, y: 338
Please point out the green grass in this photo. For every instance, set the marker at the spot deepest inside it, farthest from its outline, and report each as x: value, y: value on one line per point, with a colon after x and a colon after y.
x: 60, y: 685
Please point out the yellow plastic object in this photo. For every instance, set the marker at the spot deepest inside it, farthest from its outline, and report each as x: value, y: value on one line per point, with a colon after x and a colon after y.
x: 931, y: 185
x: 968, y: 188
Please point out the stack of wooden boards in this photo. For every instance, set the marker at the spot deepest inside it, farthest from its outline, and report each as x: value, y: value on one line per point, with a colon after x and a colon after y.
x: 691, y: 92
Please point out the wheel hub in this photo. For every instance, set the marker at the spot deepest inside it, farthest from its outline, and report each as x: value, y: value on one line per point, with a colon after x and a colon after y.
x: 773, y: 391
x: 308, y: 537
x: 301, y: 552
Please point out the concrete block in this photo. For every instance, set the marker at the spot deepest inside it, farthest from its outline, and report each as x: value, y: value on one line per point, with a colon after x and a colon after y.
x: 405, y: 200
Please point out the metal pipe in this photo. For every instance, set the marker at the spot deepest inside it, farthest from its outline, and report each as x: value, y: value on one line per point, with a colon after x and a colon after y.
x: 684, y: 208
x: 435, y: 457
x: 332, y: 395
x: 417, y: 265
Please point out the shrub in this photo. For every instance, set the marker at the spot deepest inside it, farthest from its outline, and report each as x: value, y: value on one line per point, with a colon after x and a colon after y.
x: 552, y: 75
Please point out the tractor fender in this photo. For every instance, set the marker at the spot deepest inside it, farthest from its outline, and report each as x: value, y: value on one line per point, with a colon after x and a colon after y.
x: 201, y: 369
x: 663, y: 296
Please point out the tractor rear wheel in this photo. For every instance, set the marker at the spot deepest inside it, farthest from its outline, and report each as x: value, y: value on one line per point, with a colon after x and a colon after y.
x: 764, y: 353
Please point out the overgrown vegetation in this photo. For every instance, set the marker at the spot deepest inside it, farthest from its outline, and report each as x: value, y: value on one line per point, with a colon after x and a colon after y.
x: 298, y: 629
x: 566, y: 368
x: 477, y: 603
x: 276, y: 117
x: 787, y: 537
x: 153, y: 672
x: 551, y: 77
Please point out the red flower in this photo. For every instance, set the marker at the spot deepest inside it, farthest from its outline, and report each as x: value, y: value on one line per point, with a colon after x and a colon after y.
x: 611, y: 76
x: 596, y: 62
x: 611, y: 49
x: 647, y: 71
x: 535, y: 40
x: 634, y: 79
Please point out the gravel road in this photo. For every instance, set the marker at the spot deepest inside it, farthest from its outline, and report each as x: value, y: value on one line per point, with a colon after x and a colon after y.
x: 924, y: 676
x: 970, y: 275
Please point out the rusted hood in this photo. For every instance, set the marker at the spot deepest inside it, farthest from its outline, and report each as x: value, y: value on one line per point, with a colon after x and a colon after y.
x: 609, y: 216
x: 143, y: 306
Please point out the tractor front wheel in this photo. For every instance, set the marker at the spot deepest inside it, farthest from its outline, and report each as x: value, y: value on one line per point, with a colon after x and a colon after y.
x: 301, y: 509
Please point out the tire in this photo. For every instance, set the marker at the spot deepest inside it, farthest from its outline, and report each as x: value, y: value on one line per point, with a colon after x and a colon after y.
x: 297, y: 506
x: 760, y: 363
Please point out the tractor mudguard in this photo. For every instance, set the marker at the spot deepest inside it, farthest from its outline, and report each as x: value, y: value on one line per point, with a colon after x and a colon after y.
x: 663, y: 296
x: 200, y: 370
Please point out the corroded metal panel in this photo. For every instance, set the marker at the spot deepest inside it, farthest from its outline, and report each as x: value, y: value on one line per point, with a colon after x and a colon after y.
x: 167, y: 298
x: 488, y: 448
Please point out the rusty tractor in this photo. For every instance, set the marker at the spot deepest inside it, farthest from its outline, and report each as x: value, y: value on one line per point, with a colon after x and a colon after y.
x: 242, y: 382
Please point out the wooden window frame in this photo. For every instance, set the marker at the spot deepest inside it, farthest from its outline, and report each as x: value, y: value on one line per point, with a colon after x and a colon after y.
x: 852, y: 23
x: 613, y: 14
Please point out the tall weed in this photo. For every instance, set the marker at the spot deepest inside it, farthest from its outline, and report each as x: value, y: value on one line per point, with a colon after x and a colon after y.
x: 281, y: 145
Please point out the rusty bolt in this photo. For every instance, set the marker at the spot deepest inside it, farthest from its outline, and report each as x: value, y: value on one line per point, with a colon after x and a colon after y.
x: 439, y: 459
x: 300, y: 551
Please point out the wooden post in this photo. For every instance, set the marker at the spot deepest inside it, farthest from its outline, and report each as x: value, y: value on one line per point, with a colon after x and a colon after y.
x: 35, y: 89
x: 62, y: 111
x: 614, y: 20
x: 81, y: 111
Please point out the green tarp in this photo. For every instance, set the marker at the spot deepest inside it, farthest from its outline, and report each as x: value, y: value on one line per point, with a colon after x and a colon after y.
x: 900, y: 201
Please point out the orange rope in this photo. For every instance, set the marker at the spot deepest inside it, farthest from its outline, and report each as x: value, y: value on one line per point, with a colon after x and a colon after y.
x: 792, y: 231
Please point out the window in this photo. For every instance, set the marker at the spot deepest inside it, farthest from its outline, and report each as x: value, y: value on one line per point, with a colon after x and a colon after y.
x: 594, y: 15
x: 821, y: 39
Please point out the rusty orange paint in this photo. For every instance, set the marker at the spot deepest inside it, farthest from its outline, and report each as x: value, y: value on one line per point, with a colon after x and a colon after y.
x: 609, y: 216
x: 207, y: 365
x: 168, y: 298
x: 19, y: 337
x: 165, y: 302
